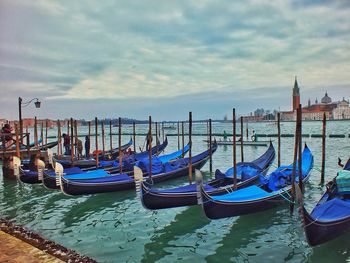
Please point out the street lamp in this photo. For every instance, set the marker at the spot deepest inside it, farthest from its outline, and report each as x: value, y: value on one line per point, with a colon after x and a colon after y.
x: 37, y: 104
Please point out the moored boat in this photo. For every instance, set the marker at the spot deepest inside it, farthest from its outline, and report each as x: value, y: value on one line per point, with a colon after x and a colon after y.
x: 271, y: 192
x: 330, y: 217
x: 120, y: 182
x: 247, y: 174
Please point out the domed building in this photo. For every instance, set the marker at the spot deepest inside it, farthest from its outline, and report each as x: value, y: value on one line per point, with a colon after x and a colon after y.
x: 333, y: 110
x: 326, y: 99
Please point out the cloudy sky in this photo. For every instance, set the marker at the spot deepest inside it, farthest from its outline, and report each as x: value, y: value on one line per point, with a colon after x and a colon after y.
x: 165, y: 58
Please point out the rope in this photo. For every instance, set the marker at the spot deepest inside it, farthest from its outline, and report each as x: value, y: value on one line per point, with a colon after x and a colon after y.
x: 317, y: 169
x: 286, y: 198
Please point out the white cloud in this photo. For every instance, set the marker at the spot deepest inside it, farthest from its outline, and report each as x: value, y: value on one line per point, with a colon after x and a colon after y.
x: 127, y: 50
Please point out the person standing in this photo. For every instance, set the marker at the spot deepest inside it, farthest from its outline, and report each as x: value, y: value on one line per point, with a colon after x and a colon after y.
x: 80, y: 148
x: 66, y: 144
x: 254, y: 137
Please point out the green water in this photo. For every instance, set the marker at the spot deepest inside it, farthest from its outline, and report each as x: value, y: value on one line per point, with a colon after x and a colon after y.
x: 114, y: 227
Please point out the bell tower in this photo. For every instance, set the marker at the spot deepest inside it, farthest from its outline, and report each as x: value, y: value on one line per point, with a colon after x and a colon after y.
x: 296, y: 95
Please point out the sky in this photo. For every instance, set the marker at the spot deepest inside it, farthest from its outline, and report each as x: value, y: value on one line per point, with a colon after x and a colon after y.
x: 165, y: 58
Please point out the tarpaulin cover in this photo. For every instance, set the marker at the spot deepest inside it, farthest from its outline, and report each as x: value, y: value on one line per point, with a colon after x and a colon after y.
x: 343, y: 182
x: 332, y: 210
x: 245, y: 194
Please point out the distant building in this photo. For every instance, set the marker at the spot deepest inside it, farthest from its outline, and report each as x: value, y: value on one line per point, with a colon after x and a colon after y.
x: 2, y: 122
x: 333, y: 110
x: 342, y: 111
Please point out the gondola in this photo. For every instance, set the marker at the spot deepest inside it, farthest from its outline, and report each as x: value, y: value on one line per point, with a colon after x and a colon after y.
x: 331, y: 216
x: 31, y: 176
x: 273, y: 191
x: 87, y: 163
x: 121, y: 182
x: 247, y: 174
x: 49, y: 180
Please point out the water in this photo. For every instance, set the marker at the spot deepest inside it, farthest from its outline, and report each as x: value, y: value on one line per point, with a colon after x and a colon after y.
x: 114, y: 227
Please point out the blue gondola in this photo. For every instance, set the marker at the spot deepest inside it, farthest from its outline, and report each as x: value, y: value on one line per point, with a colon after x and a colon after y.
x: 247, y: 174
x: 31, y: 177
x: 120, y: 182
x: 271, y: 192
x: 49, y: 179
x: 331, y: 216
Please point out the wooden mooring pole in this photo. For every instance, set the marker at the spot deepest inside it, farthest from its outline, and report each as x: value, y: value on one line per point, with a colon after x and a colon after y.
x: 134, y: 135
x: 96, y: 141
x: 150, y: 146
x: 190, y: 151
x: 120, y: 156
x: 234, y: 154
x: 183, y: 138
x: 242, y: 153
x: 323, y: 162
x: 300, y: 145
x: 210, y: 148
x: 278, y: 139
x: 178, y: 136
x: 296, y: 148
x: 72, y: 140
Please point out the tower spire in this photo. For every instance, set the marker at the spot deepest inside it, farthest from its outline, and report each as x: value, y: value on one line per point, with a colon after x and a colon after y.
x: 296, y: 95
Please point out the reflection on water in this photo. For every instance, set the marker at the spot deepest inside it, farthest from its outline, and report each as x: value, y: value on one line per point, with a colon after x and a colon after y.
x: 114, y: 227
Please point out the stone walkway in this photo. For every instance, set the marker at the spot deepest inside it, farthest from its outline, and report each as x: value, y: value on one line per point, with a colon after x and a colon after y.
x: 14, y: 250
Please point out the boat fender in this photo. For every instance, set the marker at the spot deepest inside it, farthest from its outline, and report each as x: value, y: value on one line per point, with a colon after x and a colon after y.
x: 138, y: 177
x: 41, y: 168
x: 49, y: 156
x: 59, y: 173
x: 16, y: 165
x: 199, y: 185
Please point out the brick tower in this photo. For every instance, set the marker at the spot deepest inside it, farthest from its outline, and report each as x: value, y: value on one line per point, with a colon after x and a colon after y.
x: 296, y: 95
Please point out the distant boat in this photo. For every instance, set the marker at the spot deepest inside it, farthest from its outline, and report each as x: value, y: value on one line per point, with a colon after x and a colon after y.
x: 170, y: 127
x: 245, y: 143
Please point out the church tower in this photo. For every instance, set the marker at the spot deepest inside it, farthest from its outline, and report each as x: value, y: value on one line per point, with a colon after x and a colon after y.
x: 296, y: 95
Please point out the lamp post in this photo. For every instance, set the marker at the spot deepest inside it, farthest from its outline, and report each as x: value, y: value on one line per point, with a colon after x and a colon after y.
x: 37, y: 104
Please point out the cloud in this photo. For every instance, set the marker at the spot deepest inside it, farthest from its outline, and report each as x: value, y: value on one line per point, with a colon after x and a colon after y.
x: 153, y: 51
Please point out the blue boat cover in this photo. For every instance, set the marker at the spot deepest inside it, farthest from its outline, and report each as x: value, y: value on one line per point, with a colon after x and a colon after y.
x: 191, y: 188
x: 331, y: 210
x: 343, y: 182
x: 108, y: 179
x: 157, y: 165
x: 245, y: 194
x: 88, y: 175
x: 66, y: 171
x: 244, y: 171
x: 172, y: 156
x: 282, y: 176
